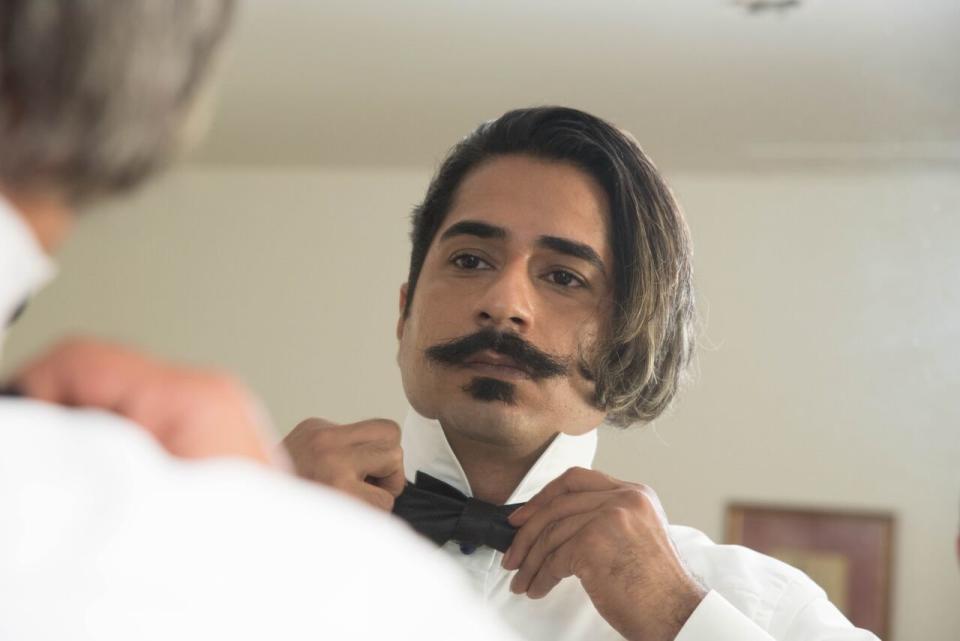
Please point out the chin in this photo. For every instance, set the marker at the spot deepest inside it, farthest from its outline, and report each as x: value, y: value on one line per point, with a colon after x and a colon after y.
x: 493, y: 422
x: 490, y: 421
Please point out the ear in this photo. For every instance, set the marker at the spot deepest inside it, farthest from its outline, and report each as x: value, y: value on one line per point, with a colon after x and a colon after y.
x: 403, y: 306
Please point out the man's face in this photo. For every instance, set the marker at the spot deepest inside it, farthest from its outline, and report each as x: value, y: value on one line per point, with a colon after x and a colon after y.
x: 522, y: 257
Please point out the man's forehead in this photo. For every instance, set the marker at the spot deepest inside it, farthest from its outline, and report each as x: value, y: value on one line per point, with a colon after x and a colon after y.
x: 529, y: 198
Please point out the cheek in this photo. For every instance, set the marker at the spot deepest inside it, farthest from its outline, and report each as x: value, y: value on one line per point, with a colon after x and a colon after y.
x: 581, y: 340
x: 575, y: 392
x: 568, y: 407
x: 441, y: 314
x: 422, y: 331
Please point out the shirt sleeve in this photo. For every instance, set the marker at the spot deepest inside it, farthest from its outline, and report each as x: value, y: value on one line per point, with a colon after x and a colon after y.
x: 821, y: 620
x: 715, y: 619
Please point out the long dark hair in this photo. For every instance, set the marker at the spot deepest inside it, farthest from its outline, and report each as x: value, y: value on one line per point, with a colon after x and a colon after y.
x: 641, y: 358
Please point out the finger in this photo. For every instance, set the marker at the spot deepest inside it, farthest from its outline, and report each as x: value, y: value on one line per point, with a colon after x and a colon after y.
x: 556, y: 567
x: 576, y: 479
x: 383, y: 462
x: 153, y: 406
x: 560, y: 508
x: 546, y: 547
x: 42, y: 381
x: 329, y: 435
x: 39, y: 385
x: 371, y: 494
x: 375, y: 430
x: 198, y: 440
x: 84, y: 372
x: 323, y: 451
x: 394, y: 483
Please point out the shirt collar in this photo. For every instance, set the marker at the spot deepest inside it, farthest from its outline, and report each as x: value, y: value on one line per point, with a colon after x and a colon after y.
x: 425, y: 449
x: 24, y: 266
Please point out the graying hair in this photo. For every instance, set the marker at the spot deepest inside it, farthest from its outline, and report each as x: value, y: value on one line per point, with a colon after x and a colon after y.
x: 94, y: 94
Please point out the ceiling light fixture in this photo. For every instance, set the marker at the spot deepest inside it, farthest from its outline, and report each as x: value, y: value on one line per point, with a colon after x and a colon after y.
x: 766, y: 6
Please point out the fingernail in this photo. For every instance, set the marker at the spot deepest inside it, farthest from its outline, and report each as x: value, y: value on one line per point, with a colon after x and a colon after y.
x: 507, y: 558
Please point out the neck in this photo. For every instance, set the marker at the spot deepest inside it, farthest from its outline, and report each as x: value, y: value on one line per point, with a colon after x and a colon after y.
x: 493, y: 471
x: 47, y: 215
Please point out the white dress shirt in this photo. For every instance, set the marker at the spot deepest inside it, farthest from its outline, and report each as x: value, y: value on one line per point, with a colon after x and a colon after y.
x: 752, y: 597
x: 104, y: 537
x: 24, y: 267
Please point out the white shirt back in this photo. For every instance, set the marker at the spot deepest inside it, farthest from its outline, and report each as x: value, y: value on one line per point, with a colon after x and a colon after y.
x: 103, y: 536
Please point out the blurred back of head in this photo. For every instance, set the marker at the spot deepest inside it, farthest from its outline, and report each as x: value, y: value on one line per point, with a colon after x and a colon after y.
x: 95, y: 94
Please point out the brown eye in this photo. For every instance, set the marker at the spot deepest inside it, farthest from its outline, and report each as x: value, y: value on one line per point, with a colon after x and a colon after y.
x: 564, y: 278
x: 469, y: 261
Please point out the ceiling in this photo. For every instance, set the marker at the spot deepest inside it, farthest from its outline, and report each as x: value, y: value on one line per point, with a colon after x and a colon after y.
x: 703, y: 84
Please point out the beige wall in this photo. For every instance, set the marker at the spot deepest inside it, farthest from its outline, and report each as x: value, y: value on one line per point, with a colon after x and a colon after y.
x: 829, y: 372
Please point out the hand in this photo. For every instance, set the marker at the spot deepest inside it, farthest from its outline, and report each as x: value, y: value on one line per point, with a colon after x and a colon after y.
x: 362, y: 459
x: 192, y: 413
x: 612, y: 536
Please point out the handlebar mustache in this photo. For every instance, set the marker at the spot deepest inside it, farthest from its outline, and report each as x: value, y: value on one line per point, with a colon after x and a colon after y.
x: 537, y: 363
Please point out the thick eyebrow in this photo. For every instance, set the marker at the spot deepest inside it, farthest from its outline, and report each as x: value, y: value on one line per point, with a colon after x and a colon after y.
x: 474, y: 228
x: 573, y: 248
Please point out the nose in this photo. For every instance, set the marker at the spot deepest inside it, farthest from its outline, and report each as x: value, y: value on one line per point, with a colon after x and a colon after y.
x: 507, y: 303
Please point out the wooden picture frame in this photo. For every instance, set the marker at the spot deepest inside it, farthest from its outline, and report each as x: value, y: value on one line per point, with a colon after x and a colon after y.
x: 849, y: 554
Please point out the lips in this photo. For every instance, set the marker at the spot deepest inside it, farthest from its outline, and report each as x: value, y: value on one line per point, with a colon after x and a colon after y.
x: 494, y: 363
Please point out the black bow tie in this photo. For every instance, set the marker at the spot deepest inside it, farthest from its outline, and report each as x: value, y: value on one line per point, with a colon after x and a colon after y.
x: 442, y: 513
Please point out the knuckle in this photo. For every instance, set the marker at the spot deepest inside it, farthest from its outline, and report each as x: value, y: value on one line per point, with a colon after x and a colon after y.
x: 650, y: 494
x: 573, y: 474
x: 619, y: 519
x: 635, y: 499
x: 576, y: 471
x: 386, y: 429
x: 312, y: 423
x: 325, y: 429
x: 548, y: 534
